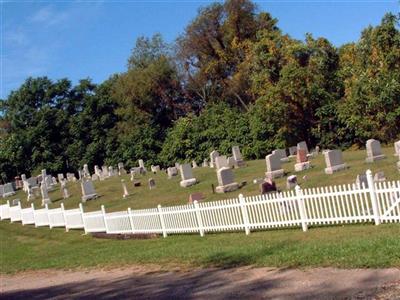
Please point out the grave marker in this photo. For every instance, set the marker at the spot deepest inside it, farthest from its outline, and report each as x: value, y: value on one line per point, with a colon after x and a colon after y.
x: 334, y: 161
x: 274, y: 168
x: 187, y: 176
x: 221, y: 162
x: 281, y: 153
x: 88, y: 191
x: 152, y: 183
x: 226, y: 181
x: 374, y: 151
x: 302, y: 162
x: 214, y: 154
x: 237, y: 155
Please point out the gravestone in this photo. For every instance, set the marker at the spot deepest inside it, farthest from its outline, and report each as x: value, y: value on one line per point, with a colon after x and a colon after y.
x: 196, y: 197
x: 121, y: 169
x: 88, y: 191
x: 80, y: 175
x: 155, y: 169
x: 237, y: 155
x: 302, y: 145
x: 71, y: 177
x: 177, y: 165
x: 104, y: 171
x: 95, y: 177
x: 274, y: 167
x: 302, y: 162
x: 374, y: 151
x: 30, y: 194
x: 152, y: 183
x: 45, y: 195
x: 110, y: 171
x: 8, y: 190
x: 33, y: 182
x: 205, y: 162
x: 124, y: 188
x: 379, y: 176
x: 221, y: 162
x: 226, y: 181
x: 214, y: 154
x: 334, y: 161
x: 142, y: 166
x: 86, y: 172
x: 282, y: 154
x: 54, y: 180
x: 187, y: 176
x: 60, y: 177
x: 291, y: 182
x: 231, y: 162
x: 268, y: 186
x: 194, y: 164
x: 15, y: 202
x: 172, y: 171
x: 362, y: 181
x: 64, y: 189
x: 49, y: 183
x: 397, y: 148
x: 97, y: 171
x: 292, y: 151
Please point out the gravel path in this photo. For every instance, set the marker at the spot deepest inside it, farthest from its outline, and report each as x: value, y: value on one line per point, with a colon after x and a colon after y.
x: 239, y: 283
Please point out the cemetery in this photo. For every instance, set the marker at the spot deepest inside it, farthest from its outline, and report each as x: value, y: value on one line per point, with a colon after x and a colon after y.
x: 117, y: 200
x: 230, y: 147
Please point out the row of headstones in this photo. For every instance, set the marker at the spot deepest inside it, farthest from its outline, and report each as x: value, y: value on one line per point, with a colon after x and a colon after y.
x: 333, y: 158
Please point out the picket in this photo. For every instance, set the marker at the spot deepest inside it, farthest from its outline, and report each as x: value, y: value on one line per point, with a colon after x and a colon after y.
x: 339, y: 204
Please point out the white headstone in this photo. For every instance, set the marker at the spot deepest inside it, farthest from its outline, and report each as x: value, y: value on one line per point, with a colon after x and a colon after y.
x: 334, y: 161
x: 126, y: 194
x: 213, y: 155
x: 8, y: 190
x: 88, y: 191
x: 45, y: 195
x: 281, y: 154
x: 226, y: 181
x: 221, y: 162
x: 274, y: 166
x: 187, y: 175
x: 374, y: 151
x: 172, y: 171
x: 397, y: 148
x: 194, y: 164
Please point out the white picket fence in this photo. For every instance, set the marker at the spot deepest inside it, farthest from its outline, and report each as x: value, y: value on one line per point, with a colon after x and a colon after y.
x: 377, y: 203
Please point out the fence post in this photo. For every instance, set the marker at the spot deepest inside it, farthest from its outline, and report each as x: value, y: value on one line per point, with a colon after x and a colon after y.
x: 48, y: 218
x: 374, y: 201
x: 131, y: 219
x: 104, y: 217
x: 33, y: 213
x: 244, y: 214
x: 65, y: 219
x: 162, y: 220
x: 20, y: 212
x: 198, y: 216
x: 302, y: 210
x: 83, y: 217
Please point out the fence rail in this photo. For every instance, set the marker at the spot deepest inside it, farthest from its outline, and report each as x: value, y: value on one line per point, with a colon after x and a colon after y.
x: 375, y: 202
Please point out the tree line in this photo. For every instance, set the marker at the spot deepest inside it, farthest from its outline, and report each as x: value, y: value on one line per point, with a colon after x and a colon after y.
x: 232, y: 78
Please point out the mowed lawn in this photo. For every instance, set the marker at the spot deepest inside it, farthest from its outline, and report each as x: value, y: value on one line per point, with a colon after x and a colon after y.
x: 345, y: 246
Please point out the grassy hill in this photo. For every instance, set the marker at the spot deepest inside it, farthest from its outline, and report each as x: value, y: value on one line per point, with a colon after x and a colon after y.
x: 168, y: 191
x: 348, y: 246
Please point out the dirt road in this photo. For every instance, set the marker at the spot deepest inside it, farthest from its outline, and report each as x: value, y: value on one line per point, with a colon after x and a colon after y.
x: 239, y: 283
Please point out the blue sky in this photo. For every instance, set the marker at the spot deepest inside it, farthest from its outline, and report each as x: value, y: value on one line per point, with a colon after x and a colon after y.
x: 81, y: 39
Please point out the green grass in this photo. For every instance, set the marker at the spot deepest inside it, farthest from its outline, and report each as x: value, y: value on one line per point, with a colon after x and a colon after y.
x: 168, y: 191
x: 348, y: 246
